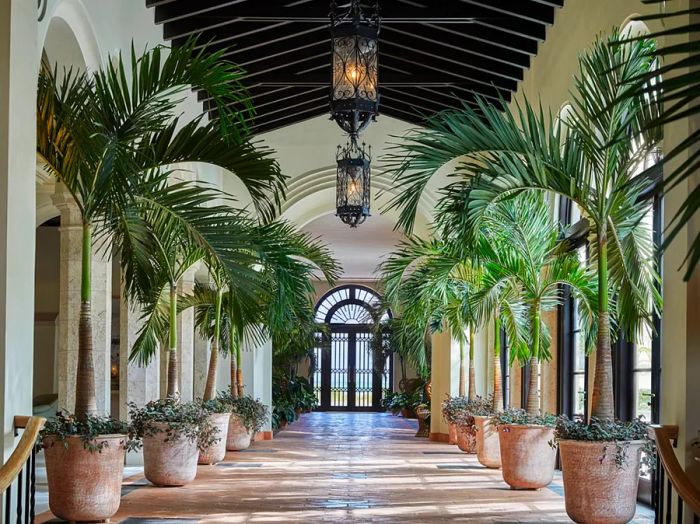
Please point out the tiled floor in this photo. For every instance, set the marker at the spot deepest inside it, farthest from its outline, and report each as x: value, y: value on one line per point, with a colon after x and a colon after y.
x: 344, y: 467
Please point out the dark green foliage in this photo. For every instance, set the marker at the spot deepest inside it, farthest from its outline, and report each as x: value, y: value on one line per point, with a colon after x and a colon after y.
x: 461, y: 410
x: 618, y: 433
x: 65, y: 425
x: 252, y: 412
x: 523, y: 418
x: 184, y: 420
x: 217, y: 405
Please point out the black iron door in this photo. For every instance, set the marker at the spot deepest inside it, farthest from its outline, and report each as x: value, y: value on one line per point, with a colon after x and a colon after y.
x: 346, y: 378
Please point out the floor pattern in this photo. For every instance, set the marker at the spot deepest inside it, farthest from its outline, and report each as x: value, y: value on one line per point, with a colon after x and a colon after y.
x: 344, y: 467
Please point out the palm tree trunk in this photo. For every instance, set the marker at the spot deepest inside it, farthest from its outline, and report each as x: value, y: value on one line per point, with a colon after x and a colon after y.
x: 497, y: 403
x: 472, y: 373
x: 210, y: 387
x: 603, y: 403
x: 173, y: 388
x: 234, y: 365
x: 85, y: 400
x: 239, y: 371
x: 533, y: 393
x: 462, y: 369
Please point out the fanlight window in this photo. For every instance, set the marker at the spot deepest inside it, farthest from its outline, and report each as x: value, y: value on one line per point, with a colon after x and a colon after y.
x: 349, y: 305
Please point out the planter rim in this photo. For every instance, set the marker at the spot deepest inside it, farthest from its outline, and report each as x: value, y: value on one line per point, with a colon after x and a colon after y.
x: 106, y: 436
x: 526, y: 426
x: 598, y: 442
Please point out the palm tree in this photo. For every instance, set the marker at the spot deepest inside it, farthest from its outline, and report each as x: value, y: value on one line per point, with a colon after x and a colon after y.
x: 592, y: 161
x: 526, y: 265
x: 285, y: 262
x: 106, y: 134
x: 432, y: 284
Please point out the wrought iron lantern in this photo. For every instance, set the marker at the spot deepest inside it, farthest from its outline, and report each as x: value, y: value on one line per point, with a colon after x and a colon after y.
x: 352, y: 195
x: 354, y: 88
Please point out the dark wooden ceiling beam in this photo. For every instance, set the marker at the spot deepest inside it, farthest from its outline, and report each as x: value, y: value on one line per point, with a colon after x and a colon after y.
x: 538, y: 13
x: 448, y: 13
x: 452, y: 44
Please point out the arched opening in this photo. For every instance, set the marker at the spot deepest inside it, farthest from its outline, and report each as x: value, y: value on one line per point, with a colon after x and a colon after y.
x: 352, y: 371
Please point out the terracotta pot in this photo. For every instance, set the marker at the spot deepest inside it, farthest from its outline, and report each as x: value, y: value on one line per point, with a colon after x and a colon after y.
x: 452, y: 434
x: 595, y: 489
x: 169, y: 461
x: 527, y: 458
x: 84, y: 486
x: 466, y: 439
x: 217, y: 451
x: 488, y: 446
x: 239, y: 436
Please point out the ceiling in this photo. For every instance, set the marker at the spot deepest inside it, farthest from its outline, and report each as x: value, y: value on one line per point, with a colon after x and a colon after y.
x: 433, y: 54
x: 359, y: 250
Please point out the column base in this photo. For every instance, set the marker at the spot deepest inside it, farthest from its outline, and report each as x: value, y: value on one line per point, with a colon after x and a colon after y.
x: 439, y: 437
x: 263, y: 435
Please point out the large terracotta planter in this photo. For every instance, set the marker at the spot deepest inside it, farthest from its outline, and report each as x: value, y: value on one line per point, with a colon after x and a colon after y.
x: 239, y: 436
x: 466, y: 439
x: 217, y: 451
x: 169, y: 461
x: 84, y: 485
x: 595, y: 489
x: 452, y: 434
x: 488, y: 446
x: 527, y: 458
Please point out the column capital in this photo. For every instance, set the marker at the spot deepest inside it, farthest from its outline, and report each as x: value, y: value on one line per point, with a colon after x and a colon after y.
x: 66, y: 205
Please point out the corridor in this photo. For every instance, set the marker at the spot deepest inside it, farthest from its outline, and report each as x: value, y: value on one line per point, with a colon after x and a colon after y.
x: 343, y: 467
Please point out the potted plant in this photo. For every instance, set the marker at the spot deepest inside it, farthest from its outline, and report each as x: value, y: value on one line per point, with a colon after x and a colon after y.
x: 108, y: 156
x: 488, y: 450
x: 247, y: 417
x: 70, y: 446
x: 173, y: 434
x: 527, y: 453
x: 619, y: 454
x: 219, y: 414
x: 466, y: 424
x: 451, y: 407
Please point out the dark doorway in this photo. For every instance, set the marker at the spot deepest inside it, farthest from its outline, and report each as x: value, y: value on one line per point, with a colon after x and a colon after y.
x: 350, y: 373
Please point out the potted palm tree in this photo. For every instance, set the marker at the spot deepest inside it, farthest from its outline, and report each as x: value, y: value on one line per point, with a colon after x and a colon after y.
x: 218, y: 415
x: 105, y: 139
x: 248, y: 416
x: 592, y: 161
x: 174, y: 433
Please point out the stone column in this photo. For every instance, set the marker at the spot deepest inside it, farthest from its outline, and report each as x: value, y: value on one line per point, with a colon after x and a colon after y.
x: 69, y: 308
x: 202, y: 347
x: 257, y: 378
x: 136, y: 384
x: 444, y: 380
x: 18, y: 80
x: 185, y: 338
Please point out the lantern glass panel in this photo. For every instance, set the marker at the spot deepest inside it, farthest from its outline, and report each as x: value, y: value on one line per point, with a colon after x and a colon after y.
x: 355, y: 68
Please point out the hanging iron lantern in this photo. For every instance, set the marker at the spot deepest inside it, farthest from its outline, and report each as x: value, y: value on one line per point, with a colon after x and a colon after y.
x: 353, y: 183
x: 354, y: 87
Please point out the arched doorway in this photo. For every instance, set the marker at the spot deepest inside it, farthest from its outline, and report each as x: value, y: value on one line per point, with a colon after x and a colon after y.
x: 352, y: 373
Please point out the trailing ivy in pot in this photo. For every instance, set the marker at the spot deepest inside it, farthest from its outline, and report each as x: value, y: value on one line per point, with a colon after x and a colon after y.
x: 173, y: 434
x: 86, y: 460
x: 527, y: 453
x: 451, y: 406
x: 464, y: 420
x: 616, y: 450
x: 219, y: 413
x: 248, y: 415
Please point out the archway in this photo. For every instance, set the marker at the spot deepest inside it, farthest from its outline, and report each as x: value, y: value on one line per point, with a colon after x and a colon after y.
x: 352, y: 372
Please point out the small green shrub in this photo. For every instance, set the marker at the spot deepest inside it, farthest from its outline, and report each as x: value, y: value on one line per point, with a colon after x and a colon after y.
x: 183, y: 419
x: 65, y: 425
x: 523, y: 418
x: 618, y: 433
